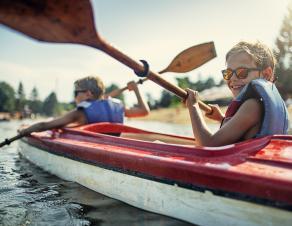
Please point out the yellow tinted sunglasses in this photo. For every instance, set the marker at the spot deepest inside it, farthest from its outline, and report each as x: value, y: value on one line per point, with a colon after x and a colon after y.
x: 240, y: 72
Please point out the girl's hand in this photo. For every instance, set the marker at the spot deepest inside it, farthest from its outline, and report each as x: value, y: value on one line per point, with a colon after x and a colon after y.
x: 216, y: 114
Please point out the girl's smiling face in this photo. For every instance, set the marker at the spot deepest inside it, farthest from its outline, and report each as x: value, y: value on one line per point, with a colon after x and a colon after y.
x: 241, y: 60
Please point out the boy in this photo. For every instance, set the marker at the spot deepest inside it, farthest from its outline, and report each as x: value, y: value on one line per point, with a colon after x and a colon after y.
x: 93, y: 107
x: 257, y: 110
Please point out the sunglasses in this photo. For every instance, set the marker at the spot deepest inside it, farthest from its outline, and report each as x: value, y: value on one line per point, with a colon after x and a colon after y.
x: 76, y: 92
x: 240, y: 72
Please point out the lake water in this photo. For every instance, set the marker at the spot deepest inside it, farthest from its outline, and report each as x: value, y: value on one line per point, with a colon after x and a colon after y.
x: 31, y: 196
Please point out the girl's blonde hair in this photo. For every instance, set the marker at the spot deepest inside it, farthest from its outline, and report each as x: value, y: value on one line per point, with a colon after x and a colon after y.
x: 91, y: 83
x: 259, y: 52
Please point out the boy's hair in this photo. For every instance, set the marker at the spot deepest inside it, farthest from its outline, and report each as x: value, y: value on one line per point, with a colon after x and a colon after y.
x: 91, y: 83
x: 258, y: 51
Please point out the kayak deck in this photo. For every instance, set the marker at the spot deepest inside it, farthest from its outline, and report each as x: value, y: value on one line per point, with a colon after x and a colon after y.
x: 137, y: 134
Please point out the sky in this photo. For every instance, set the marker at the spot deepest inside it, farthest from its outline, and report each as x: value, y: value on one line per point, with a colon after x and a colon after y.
x: 154, y: 30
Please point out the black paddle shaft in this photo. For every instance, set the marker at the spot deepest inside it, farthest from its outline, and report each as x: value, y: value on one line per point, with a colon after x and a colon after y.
x: 9, y: 141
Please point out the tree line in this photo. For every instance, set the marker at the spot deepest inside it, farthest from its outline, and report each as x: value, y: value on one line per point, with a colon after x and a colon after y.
x: 168, y: 99
x: 19, y: 105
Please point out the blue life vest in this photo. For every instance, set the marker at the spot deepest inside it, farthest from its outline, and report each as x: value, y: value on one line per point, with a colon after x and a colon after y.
x: 275, y: 119
x: 106, y: 110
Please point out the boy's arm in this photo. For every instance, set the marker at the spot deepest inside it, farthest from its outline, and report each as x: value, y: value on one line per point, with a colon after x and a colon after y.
x: 142, y: 109
x: 113, y: 93
x: 71, y: 117
x: 246, y: 118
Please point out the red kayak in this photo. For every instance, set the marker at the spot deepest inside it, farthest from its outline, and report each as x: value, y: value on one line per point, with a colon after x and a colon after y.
x: 247, y: 183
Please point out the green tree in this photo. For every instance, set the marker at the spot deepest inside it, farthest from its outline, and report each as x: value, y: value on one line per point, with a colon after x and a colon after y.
x: 115, y: 87
x: 65, y: 107
x: 199, y: 85
x: 165, y: 99
x: 7, y: 98
x: 209, y: 83
x: 20, y: 97
x: 34, y: 95
x: 150, y: 101
x: 202, y: 85
x: 183, y: 82
x: 50, y: 105
x: 283, y: 52
x: 170, y: 100
x: 221, y: 83
x: 35, y: 104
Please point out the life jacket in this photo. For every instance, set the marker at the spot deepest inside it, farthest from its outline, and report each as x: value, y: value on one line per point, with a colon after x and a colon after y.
x: 105, y: 110
x: 275, y: 120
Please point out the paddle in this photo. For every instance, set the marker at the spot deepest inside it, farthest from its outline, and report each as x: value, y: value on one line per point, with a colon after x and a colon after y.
x: 8, y: 141
x: 56, y: 21
x: 185, y: 61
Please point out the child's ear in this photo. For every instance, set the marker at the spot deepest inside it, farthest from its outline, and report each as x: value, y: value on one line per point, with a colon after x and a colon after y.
x: 268, y: 73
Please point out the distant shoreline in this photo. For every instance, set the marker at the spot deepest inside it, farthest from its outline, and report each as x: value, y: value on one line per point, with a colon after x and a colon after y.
x: 180, y: 115
x: 176, y: 115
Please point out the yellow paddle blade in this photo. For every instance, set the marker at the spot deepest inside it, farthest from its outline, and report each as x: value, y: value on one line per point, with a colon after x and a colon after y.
x: 191, y: 58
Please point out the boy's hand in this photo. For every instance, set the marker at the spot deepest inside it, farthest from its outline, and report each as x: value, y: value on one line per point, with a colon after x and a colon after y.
x: 216, y: 114
x: 23, y: 126
x: 132, y: 86
x: 24, y: 130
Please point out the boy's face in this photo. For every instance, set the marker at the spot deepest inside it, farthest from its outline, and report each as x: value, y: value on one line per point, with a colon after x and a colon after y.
x: 82, y: 95
x: 241, y: 60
